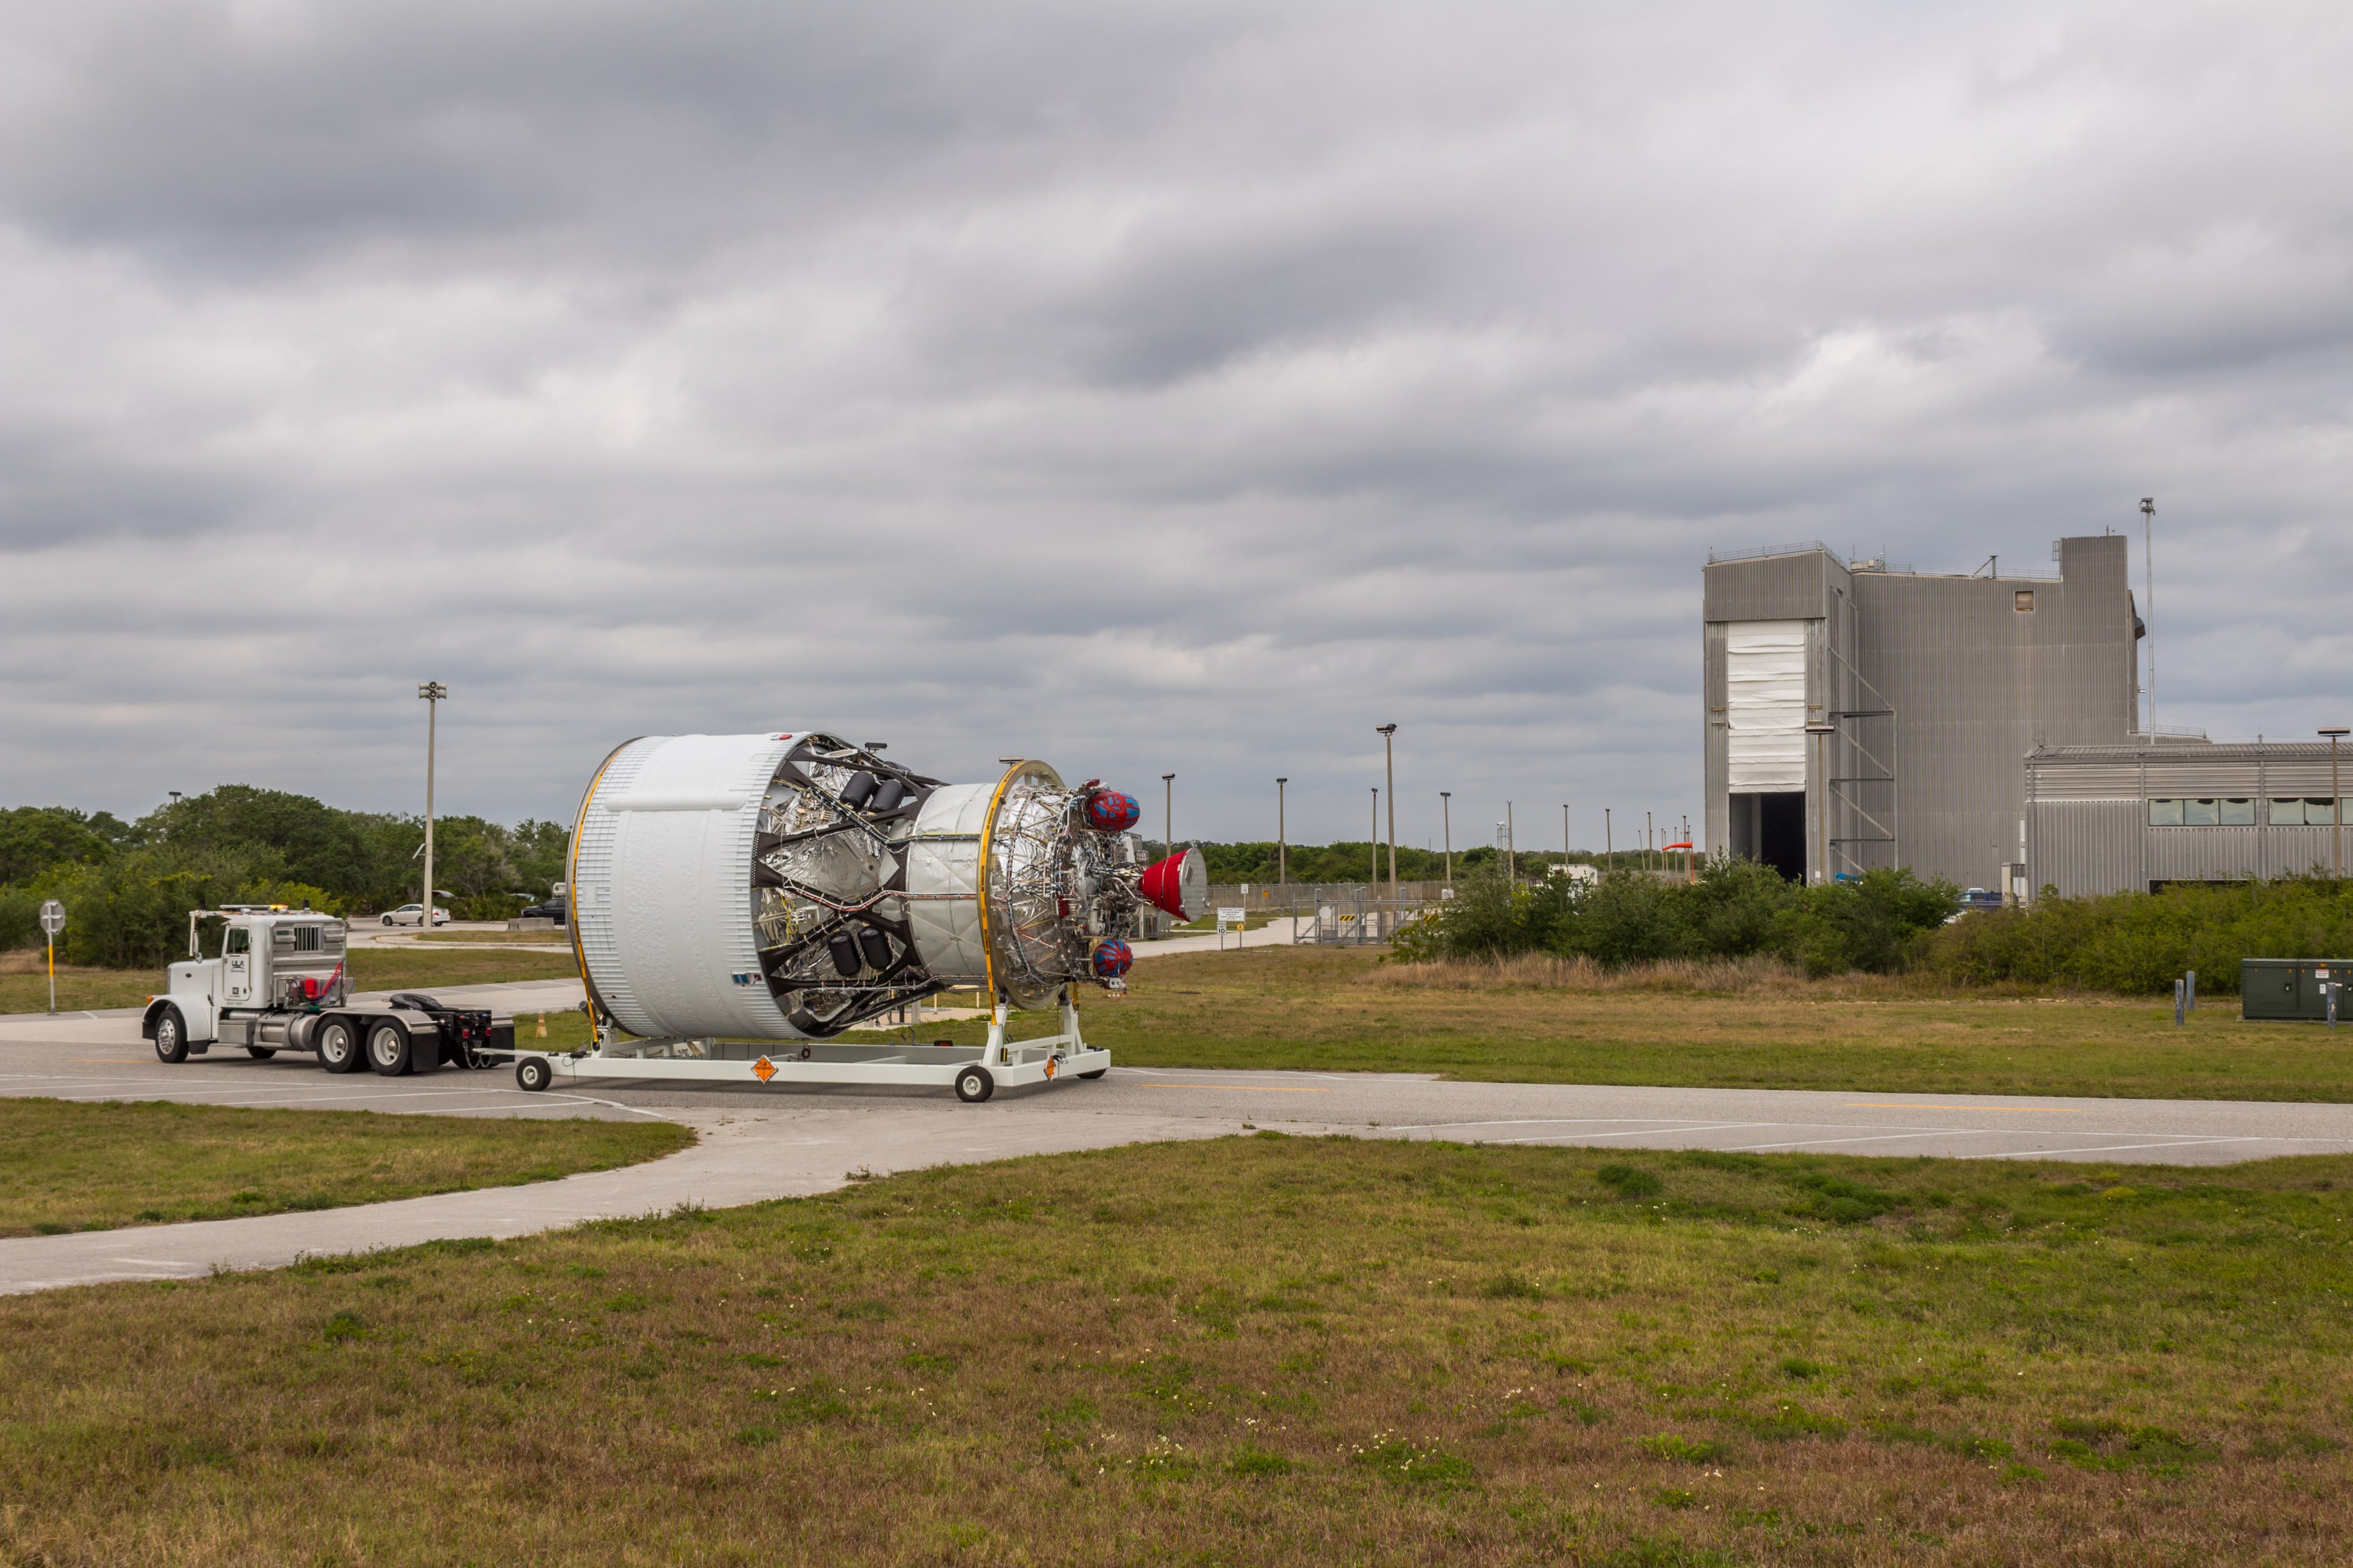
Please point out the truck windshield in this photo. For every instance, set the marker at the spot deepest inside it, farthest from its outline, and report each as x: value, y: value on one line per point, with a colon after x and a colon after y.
x: 209, y: 938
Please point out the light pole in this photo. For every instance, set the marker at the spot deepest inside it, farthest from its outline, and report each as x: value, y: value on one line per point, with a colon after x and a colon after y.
x: 2149, y: 611
x: 1511, y: 850
x: 1389, y: 753
x: 1376, y: 836
x: 1563, y: 838
x: 2336, y: 807
x: 1281, y: 839
x: 1168, y: 811
x: 1446, y: 810
x: 1608, y: 844
x: 433, y: 694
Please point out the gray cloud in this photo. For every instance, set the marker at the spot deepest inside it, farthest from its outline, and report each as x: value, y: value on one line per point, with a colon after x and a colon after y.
x: 1183, y: 388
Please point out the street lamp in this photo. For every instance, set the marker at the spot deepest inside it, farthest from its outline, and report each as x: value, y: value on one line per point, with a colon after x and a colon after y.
x: 1446, y: 809
x: 1376, y: 836
x: 1389, y: 751
x: 432, y: 694
x: 1281, y: 839
x: 2335, y: 806
x: 1168, y: 811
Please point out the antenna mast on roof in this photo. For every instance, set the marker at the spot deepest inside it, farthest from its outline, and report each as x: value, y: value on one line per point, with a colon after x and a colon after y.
x: 2148, y: 608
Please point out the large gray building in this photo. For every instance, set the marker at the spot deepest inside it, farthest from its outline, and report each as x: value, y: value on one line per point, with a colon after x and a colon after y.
x: 1859, y: 715
x: 2103, y: 817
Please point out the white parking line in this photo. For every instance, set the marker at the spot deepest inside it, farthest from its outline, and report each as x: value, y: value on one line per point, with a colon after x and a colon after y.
x: 2114, y: 1148
x: 1671, y: 1130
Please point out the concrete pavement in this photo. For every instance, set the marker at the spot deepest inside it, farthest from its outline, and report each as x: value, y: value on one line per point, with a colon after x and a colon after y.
x: 769, y: 1142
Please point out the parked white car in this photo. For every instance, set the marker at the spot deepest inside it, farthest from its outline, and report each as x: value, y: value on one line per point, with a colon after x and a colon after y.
x: 413, y: 914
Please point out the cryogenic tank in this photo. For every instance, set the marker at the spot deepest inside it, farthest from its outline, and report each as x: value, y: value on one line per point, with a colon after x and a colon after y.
x: 787, y: 886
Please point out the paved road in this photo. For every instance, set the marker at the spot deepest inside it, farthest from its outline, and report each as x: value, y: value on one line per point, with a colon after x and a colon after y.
x: 762, y: 1142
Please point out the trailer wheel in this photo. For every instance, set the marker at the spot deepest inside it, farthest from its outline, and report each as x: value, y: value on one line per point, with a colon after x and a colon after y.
x: 533, y: 1073
x: 339, y: 1046
x: 261, y: 1053
x: 974, y: 1085
x: 1097, y: 1073
x: 387, y: 1049
x: 171, y: 1036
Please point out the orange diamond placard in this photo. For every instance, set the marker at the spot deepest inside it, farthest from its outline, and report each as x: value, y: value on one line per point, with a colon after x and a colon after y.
x: 765, y: 1068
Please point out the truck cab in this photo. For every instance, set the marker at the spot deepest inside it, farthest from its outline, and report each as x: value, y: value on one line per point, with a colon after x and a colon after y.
x: 273, y: 979
x: 251, y: 969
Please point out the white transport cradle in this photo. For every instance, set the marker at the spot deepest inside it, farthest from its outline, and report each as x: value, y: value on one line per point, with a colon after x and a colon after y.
x: 738, y: 901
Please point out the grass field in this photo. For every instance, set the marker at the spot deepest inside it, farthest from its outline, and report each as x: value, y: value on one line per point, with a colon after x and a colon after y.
x: 372, y: 969
x: 95, y: 1167
x: 1341, y: 1010
x: 1262, y: 1349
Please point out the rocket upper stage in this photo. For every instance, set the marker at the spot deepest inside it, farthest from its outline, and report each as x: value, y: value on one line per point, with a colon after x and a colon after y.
x: 790, y: 885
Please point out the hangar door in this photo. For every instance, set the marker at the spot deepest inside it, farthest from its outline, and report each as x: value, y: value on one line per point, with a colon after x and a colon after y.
x: 1765, y: 724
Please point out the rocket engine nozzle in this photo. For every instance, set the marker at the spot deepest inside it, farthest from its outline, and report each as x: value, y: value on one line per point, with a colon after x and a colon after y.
x: 1179, y: 884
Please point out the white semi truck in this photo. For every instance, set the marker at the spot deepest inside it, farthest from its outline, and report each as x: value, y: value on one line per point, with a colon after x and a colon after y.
x: 270, y: 979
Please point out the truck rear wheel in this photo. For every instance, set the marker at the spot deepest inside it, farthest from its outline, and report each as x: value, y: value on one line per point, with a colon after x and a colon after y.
x: 339, y: 1044
x: 171, y: 1036
x: 387, y: 1049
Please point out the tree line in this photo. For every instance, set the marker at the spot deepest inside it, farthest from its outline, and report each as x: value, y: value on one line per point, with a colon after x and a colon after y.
x: 128, y: 886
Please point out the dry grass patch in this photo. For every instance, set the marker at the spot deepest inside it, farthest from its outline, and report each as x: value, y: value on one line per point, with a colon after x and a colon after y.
x: 1267, y: 1351
x: 67, y: 1166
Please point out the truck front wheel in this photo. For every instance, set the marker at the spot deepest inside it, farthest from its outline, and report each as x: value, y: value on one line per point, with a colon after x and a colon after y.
x: 171, y: 1036
x: 387, y: 1049
x: 339, y: 1046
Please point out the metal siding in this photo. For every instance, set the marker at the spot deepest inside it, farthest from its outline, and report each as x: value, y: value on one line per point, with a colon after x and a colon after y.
x: 1977, y: 685
x: 2113, y: 847
x: 2084, y: 846
x: 1776, y: 588
x: 1715, y: 817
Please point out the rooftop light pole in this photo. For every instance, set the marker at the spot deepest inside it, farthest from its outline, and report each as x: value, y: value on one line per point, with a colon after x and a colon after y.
x: 2335, y: 806
x: 1169, y: 810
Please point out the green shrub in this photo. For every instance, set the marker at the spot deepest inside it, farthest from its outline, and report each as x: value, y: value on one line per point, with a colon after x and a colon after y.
x: 2138, y: 943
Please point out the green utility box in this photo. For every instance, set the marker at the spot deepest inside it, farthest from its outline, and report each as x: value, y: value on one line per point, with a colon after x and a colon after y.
x: 2292, y: 988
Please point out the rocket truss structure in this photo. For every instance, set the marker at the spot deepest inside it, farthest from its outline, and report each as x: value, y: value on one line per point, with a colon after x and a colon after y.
x: 789, y: 886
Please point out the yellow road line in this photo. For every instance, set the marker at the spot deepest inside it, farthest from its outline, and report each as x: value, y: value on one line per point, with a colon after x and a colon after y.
x: 1252, y: 1087
x: 2007, y: 1110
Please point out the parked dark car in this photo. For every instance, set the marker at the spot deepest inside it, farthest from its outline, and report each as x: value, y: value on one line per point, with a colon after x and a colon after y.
x: 551, y: 910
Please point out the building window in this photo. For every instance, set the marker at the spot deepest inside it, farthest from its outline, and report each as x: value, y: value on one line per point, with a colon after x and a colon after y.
x: 2200, y: 814
x: 2165, y: 814
x: 2024, y: 601
x: 2305, y: 813
x: 2238, y: 814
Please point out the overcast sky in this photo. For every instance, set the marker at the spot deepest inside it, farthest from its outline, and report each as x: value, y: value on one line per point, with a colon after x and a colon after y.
x: 1144, y: 388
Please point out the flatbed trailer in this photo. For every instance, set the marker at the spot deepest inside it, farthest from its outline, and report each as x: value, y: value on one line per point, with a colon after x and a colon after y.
x: 974, y: 1072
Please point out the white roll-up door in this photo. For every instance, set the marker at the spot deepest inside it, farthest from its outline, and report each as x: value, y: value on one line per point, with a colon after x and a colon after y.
x: 1765, y: 705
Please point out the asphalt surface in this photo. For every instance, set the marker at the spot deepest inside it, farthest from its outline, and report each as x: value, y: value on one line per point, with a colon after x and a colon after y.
x: 773, y: 1141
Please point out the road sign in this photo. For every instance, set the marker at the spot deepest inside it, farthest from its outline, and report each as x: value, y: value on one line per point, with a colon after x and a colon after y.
x: 53, y: 916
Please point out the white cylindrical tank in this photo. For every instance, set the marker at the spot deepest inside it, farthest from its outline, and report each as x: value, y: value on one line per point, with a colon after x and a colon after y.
x: 788, y: 885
